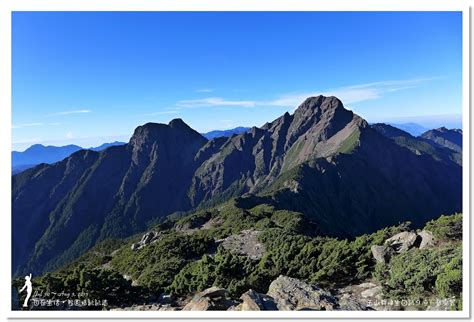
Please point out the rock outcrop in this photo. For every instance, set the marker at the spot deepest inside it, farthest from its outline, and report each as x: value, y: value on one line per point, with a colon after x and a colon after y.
x: 253, y: 301
x: 400, y: 243
x: 427, y: 239
x: 293, y: 294
x: 147, y: 239
x: 359, y: 296
x: 382, y: 254
x: 211, y: 299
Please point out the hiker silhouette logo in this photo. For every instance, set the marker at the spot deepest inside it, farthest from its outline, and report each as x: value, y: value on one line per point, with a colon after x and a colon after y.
x: 29, y: 289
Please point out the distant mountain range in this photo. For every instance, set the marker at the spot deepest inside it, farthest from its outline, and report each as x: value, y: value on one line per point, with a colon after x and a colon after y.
x: 412, y: 128
x: 323, y: 161
x: 39, y: 153
x: 225, y: 133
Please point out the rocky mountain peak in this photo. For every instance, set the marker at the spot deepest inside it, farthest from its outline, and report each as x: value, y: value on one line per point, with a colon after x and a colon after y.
x: 171, y: 139
x: 179, y: 124
x: 322, y: 116
x: 155, y: 132
x: 319, y: 105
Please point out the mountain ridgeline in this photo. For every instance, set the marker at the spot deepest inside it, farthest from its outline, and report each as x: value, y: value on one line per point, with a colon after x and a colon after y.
x: 39, y: 153
x: 346, y: 177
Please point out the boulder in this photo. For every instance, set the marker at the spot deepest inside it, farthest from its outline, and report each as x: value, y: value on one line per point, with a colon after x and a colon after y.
x: 211, y: 299
x: 403, y: 241
x: 427, y: 239
x: 214, y: 292
x: 293, y: 294
x: 253, y: 301
x: 147, y: 239
x: 382, y: 254
x: 199, y: 304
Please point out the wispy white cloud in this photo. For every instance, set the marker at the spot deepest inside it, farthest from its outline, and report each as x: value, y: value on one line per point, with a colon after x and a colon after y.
x: 19, y: 126
x: 69, y: 135
x: 23, y: 125
x: 349, y: 94
x: 204, y: 90
x: 214, y: 101
x: 69, y: 112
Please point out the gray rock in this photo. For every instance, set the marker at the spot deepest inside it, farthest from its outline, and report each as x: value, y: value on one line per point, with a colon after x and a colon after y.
x: 147, y: 239
x: 382, y: 254
x: 293, y: 294
x: 427, y: 239
x: 199, y: 304
x: 214, y: 291
x: 402, y: 242
x: 211, y: 299
x: 245, y: 243
x: 351, y: 304
x: 253, y: 301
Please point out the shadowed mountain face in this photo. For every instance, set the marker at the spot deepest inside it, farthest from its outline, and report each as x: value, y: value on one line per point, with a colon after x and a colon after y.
x: 323, y: 161
x: 62, y: 209
x: 451, y: 139
x: 419, y: 145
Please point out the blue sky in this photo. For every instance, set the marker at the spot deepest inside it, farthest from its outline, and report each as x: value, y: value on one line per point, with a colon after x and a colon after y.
x: 87, y: 78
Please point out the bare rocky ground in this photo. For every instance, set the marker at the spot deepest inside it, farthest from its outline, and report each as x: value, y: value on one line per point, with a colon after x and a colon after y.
x: 284, y: 294
x: 245, y: 243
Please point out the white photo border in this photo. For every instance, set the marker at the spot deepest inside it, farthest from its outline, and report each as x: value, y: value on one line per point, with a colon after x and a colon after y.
x: 10, y: 6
